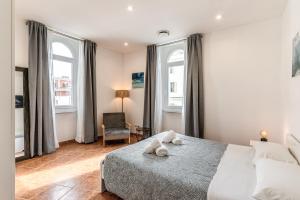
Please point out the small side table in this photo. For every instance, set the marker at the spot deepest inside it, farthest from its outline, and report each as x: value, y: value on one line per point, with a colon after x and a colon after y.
x: 253, y: 142
x: 142, y: 132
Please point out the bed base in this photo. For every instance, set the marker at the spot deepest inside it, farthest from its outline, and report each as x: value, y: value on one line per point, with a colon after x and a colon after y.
x: 101, y: 178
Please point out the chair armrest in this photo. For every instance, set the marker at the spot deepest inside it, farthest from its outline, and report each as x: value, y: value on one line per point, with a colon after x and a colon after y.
x: 103, y: 130
x: 128, y: 125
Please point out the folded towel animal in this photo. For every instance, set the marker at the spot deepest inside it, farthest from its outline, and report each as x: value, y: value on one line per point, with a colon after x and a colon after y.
x: 162, y: 151
x: 171, y: 135
x: 153, y: 146
x: 177, y: 141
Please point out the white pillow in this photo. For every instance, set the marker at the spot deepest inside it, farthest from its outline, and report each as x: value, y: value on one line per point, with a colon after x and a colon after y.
x: 276, y: 180
x: 272, y: 151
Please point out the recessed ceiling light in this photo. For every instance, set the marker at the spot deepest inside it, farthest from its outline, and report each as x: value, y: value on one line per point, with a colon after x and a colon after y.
x: 219, y: 17
x: 126, y: 44
x: 163, y: 33
x: 130, y: 8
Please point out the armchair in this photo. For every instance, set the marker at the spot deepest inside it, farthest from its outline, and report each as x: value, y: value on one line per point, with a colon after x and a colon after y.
x: 115, y: 127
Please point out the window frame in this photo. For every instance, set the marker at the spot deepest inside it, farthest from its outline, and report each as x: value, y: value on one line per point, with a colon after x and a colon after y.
x: 71, y: 45
x: 166, y: 52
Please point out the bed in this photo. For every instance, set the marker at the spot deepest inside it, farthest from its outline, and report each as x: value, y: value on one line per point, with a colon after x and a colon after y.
x: 235, y: 178
x: 199, y: 169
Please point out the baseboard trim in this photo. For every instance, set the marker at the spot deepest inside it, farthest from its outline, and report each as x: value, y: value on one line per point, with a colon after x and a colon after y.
x: 67, y: 142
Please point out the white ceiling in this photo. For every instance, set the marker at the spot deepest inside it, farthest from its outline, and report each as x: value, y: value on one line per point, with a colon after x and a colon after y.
x: 109, y: 23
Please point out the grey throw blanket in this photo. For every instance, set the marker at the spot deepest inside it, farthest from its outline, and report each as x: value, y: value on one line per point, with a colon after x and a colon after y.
x: 185, y: 174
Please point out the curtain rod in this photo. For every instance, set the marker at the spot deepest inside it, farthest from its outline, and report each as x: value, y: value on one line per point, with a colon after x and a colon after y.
x: 61, y: 33
x: 172, y: 42
x: 64, y: 34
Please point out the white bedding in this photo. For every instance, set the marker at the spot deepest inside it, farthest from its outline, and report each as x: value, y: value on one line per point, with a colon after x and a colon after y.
x: 235, y: 178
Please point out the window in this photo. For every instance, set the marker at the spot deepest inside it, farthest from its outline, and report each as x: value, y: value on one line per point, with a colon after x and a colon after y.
x: 173, y: 70
x: 64, y: 62
x: 173, y: 87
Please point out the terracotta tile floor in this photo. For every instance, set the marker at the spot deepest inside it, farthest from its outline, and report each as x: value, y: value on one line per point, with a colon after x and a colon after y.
x: 71, y: 173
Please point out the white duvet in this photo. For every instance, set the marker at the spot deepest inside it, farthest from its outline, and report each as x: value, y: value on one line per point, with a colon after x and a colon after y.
x: 235, y: 178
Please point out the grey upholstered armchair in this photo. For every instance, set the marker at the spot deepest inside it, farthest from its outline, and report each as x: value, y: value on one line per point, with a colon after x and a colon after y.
x: 115, y: 127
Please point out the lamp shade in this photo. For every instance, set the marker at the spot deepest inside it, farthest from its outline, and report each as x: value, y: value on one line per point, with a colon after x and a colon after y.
x: 122, y: 93
x: 264, y: 134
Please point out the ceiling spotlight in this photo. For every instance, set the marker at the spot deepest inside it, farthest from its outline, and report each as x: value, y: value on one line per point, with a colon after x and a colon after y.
x: 219, y: 17
x: 126, y: 44
x: 130, y: 8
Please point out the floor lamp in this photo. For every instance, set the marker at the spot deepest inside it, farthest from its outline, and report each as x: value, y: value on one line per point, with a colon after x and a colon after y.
x: 122, y: 94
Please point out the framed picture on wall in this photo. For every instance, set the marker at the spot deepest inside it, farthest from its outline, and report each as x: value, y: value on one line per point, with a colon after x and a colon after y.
x: 296, y: 56
x: 138, y: 80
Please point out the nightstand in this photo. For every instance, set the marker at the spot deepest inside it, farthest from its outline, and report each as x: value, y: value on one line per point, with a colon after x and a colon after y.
x: 253, y: 142
x: 142, y: 132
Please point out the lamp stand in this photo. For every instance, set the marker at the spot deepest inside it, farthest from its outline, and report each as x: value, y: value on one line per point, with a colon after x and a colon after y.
x: 264, y: 139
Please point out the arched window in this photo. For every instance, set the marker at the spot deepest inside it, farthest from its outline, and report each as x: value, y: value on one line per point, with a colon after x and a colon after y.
x: 176, y: 56
x: 173, y: 70
x: 64, y: 61
x: 61, y: 49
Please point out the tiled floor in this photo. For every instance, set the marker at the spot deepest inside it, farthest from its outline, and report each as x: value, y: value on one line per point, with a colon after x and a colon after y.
x: 71, y: 173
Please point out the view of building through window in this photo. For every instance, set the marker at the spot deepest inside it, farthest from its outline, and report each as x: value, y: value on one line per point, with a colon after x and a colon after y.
x: 62, y: 72
x: 176, y: 78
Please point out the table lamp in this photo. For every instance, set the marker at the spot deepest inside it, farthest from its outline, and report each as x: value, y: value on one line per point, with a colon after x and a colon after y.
x: 264, y: 135
x: 122, y: 94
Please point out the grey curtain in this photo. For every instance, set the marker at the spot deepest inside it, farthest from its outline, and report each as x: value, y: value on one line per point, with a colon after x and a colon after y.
x: 150, y: 81
x: 194, y: 104
x: 41, y: 116
x: 90, y: 97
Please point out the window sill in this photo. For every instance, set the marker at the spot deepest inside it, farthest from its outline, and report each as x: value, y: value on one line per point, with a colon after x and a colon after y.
x: 169, y: 110
x: 65, y: 110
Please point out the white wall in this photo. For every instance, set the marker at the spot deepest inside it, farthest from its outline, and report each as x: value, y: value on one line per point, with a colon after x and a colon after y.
x: 134, y: 106
x: 242, y: 83
x: 21, y: 42
x: 6, y: 115
x: 109, y: 78
x: 291, y: 25
x: 66, y: 126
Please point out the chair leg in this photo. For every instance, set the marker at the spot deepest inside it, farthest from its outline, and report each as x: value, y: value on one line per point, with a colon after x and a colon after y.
x: 103, y: 143
x: 129, y: 140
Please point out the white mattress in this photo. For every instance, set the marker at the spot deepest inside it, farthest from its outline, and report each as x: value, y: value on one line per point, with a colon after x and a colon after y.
x: 235, y: 178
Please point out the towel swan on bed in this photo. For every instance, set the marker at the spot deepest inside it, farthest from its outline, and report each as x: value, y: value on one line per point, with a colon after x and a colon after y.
x: 170, y: 137
x: 152, y: 146
x: 156, y: 147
